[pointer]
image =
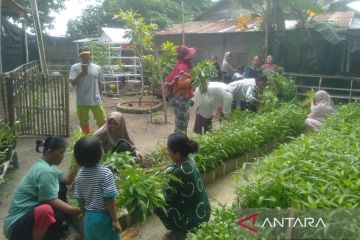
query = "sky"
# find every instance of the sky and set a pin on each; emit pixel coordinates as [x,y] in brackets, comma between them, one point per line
[75,7]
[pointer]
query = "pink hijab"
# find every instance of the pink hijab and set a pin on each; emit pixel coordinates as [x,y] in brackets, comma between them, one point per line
[110,139]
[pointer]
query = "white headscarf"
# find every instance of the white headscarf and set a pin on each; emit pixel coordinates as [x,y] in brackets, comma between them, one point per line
[226,68]
[324,106]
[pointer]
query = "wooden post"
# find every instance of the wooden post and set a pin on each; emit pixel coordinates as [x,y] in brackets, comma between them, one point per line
[182,24]
[10,99]
[39,37]
[2,80]
[26,45]
[162,83]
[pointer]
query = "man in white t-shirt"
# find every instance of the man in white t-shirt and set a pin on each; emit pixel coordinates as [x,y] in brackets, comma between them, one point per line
[87,76]
[217,96]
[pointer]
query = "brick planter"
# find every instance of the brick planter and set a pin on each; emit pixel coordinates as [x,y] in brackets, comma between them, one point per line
[210,176]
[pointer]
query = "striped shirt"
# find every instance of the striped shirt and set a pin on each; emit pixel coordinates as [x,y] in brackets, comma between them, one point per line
[92,185]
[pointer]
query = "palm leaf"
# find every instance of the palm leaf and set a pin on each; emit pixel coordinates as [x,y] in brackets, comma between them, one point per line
[329,32]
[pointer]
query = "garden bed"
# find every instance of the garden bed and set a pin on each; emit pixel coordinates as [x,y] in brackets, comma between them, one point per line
[210,176]
[315,171]
[221,151]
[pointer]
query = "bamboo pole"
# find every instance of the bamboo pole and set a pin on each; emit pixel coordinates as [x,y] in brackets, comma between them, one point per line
[19,102]
[57,103]
[66,110]
[61,106]
[39,38]
[34,113]
[1,70]
[52,100]
[26,45]
[42,103]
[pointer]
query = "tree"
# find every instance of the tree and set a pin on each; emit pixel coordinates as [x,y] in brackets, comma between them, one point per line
[89,24]
[45,8]
[273,12]
[162,13]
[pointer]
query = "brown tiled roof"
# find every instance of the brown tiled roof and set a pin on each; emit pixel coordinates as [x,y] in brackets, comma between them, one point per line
[210,26]
[340,19]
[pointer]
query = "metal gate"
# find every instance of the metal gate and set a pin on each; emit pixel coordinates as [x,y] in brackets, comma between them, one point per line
[39,103]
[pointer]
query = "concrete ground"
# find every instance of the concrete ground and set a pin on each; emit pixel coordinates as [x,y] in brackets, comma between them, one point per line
[146,136]
[220,192]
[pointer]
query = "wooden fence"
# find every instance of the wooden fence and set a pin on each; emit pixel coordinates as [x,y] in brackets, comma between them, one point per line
[39,103]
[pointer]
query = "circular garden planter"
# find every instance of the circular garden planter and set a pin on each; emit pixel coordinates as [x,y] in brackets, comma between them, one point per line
[133,107]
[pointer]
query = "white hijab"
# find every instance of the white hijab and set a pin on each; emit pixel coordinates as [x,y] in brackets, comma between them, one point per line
[324,106]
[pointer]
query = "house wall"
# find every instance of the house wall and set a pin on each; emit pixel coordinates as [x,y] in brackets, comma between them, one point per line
[296,51]
[60,49]
[219,43]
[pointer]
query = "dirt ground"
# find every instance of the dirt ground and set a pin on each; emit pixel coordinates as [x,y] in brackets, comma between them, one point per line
[145,135]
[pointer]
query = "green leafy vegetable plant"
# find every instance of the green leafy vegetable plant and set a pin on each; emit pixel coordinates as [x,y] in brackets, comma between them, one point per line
[117,161]
[141,190]
[245,134]
[283,87]
[202,73]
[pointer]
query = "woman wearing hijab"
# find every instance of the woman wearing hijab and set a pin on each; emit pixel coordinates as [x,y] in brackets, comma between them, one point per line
[179,87]
[322,107]
[226,69]
[115,137]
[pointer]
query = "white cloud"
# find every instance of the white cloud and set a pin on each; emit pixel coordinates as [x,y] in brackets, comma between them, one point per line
[73,9]
[355,5]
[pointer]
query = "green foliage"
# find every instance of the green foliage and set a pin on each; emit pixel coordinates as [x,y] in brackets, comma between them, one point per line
[269,99]
[222,226]
[309,98]
[45,9]
[89,24]
[283,88]
[167,58]
[158,158]
[243,135]
[318,170]
[162,13]
[141,34]
[117,161]
[100,52]
[329,32]
[202,73]
[275,10]
[75,137]
[142,190]
[8,136]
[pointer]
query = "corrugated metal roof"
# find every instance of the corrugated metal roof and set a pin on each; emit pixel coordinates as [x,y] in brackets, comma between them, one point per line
[339,19]
[210,26]
[115,35]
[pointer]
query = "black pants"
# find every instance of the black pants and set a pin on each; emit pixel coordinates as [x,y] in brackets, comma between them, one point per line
[23,227]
